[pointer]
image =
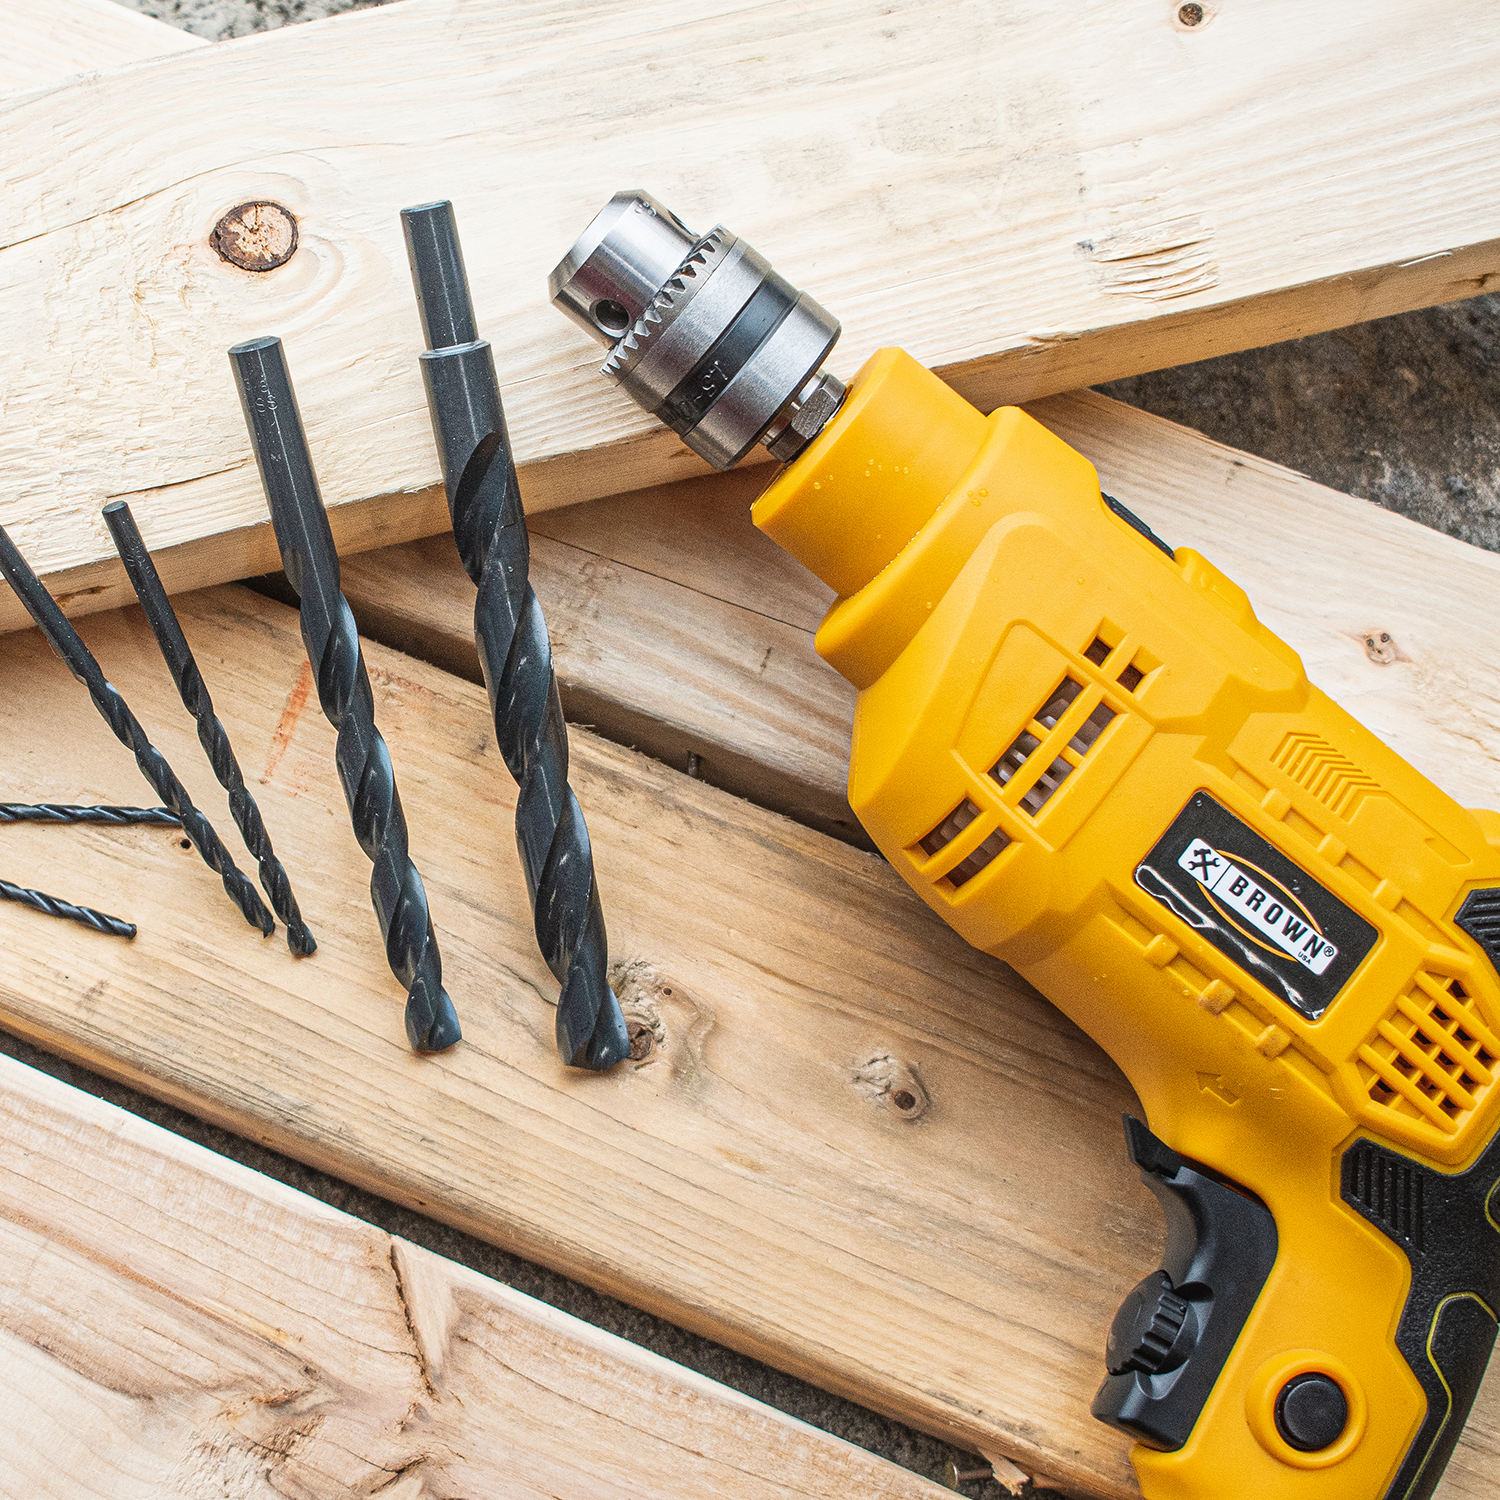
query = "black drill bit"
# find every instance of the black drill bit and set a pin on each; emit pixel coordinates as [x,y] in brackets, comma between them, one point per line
[53,907]
[65,641]
[59,812]
[328,632]
[515,651]
[211,732]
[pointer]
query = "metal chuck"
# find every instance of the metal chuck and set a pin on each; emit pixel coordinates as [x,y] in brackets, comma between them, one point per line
[701,331]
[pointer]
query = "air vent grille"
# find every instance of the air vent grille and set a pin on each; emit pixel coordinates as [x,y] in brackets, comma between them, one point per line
[948,830]
[1021,753]
[1433,1057]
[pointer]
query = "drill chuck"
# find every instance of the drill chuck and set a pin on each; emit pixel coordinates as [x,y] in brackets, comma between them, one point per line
[701,331]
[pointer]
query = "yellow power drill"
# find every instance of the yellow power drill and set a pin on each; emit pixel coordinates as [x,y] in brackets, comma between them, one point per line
[1082,749]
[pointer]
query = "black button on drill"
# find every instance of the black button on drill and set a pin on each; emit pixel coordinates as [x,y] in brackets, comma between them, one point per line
[1311,1412]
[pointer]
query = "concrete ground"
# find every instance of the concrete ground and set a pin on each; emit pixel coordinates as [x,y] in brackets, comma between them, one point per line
[1404,412]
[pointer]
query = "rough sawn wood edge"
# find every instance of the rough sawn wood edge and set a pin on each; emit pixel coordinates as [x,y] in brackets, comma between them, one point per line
[138,1259]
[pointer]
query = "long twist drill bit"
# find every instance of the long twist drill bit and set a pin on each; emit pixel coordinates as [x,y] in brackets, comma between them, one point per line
[66,642]
[515,651]
[328,632]
[54,907]
[59,812]
[211,732]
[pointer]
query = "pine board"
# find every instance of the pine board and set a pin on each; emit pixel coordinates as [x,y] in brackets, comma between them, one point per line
[1030,198]
[751,1180]
[45,41]
[173,1323]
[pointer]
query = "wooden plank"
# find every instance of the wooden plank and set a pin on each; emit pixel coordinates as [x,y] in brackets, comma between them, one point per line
[1029,200]
[679,629]
[46,43]
[750,1180]
[175,1323]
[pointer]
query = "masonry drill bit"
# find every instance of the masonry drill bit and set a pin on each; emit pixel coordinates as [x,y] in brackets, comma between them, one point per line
[59,812]
[328,632]
[66,642]
[53,907]
[463,397]
[211,732]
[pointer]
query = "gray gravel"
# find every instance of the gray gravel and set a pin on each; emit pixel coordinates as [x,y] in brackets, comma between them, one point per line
[217,20]
[1402,411]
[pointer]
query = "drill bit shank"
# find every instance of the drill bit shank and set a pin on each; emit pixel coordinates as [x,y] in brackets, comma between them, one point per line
[514,648]
[328,632]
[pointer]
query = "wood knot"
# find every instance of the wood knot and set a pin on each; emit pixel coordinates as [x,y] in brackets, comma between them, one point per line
[1379,647]
[894,1083]
[639,986]
[257,236]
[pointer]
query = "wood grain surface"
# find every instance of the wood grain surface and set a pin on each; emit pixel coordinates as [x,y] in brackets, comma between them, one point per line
[751,1179]
[1030,198]
[43,42]
[953,1263]
[172,1323]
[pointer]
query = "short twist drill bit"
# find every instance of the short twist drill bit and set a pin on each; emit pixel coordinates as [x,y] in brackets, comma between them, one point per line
[53,907]
[211,732]
[59,812]
[328,632]
[65,641]
[514,649]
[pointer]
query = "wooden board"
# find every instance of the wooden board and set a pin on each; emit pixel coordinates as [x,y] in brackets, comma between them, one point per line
[173,1323]
[751,1178]
[679,628]
[43,43]
[1030,199]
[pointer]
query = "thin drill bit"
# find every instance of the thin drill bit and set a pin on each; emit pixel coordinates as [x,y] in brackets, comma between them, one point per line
[211,732]
[53,907]
[59,812]
[328,632]
[515,651]
[65,641]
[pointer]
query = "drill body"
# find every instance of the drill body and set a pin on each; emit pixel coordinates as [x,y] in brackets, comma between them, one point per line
[1082,749]
[1086,753]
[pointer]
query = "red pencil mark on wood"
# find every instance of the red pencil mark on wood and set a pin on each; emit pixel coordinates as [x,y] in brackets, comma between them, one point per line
[296,701]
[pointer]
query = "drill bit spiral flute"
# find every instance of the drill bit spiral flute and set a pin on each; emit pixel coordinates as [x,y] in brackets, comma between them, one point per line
[328,632]
[212,735]
[514,649]
[66,642]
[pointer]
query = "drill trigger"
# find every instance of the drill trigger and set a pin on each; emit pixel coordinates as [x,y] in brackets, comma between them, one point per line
[1174,1332]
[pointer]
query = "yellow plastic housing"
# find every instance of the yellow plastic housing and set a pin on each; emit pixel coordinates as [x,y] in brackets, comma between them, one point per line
[980,573]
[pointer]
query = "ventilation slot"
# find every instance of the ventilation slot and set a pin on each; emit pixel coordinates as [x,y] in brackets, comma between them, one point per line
[1022,749]
[948,830]
[1432,1058]
[1332,778]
